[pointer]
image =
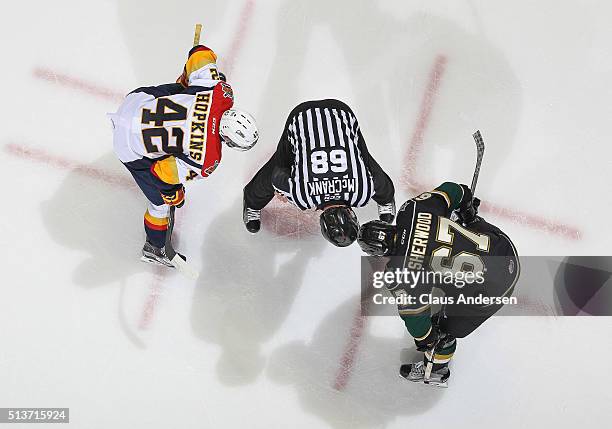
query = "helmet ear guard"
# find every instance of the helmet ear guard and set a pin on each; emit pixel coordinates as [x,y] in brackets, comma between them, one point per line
[377,238]
[339,225]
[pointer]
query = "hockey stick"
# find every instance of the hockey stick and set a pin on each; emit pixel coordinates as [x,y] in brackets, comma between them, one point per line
[196,35]
[430,360]
[176,259]
[480,148]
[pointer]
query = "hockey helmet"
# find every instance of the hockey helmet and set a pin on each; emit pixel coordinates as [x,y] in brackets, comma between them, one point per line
[377,238]
[238,129]
[339,225]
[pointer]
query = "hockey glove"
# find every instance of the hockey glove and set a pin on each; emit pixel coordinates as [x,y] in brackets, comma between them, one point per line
[174,196]
[182,79]
[468,209]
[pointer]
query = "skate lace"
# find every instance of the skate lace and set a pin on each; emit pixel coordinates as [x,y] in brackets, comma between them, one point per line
[388,208]
[418,369]
[252,214]
[159,252]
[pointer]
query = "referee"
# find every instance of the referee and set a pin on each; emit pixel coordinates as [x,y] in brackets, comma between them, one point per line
[323,163]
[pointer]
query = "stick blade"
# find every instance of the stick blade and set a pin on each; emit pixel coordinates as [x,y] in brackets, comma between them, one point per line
[480,146]
[179,263]
[184,268]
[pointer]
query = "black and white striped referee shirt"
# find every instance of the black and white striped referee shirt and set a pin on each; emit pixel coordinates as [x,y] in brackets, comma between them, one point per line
[328,156]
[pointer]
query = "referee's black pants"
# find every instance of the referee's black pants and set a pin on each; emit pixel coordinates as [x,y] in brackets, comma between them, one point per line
[259,191]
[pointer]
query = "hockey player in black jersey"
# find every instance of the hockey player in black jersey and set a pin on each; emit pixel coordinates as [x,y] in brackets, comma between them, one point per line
[322,162]
[425,239]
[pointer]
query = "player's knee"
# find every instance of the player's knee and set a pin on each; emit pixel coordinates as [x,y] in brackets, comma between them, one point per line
[159,211]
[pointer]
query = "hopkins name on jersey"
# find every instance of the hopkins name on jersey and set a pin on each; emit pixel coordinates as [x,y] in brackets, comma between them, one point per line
[180,131]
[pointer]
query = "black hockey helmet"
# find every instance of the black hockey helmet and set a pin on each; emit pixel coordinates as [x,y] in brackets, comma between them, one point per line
[377,238]
[339,225]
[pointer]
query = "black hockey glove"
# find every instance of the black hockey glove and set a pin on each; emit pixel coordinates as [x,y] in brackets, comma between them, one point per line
[468,209]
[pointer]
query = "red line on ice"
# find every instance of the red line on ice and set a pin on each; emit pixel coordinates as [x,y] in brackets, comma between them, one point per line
[77,83]
[154,293]
[124,182]
[536,222]
[39,155]
[409,181]
[238,40]
[44,157]
[416,141]
[350,351]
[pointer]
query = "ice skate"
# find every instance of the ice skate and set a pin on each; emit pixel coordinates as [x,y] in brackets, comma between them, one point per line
[251,218]
[155,255]
[415,372]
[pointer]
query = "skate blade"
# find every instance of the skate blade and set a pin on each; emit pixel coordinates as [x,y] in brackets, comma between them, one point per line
[440,384]
[154,261]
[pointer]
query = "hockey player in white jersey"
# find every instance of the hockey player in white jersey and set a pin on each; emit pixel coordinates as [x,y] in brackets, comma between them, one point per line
[170,134]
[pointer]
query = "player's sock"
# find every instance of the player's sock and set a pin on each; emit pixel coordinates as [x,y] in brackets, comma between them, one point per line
[153,250]
[155,228]
[251,218]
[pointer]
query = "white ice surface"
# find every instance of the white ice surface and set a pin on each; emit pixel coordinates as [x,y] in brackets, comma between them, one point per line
[257,340]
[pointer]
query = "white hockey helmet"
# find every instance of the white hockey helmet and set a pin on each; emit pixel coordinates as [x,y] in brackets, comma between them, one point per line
[238,129]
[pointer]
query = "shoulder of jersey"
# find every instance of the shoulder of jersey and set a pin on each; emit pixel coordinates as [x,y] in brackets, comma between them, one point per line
[421,197]
[225,89]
